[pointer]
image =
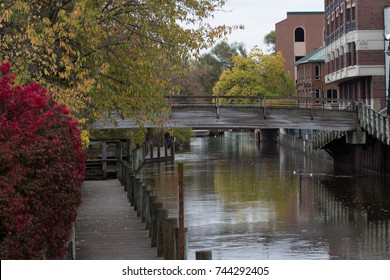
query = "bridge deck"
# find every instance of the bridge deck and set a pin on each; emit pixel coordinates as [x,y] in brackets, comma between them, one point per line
[239,117]
[107,226]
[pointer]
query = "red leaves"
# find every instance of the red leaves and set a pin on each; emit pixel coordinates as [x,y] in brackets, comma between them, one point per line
[5,68]
[41,171]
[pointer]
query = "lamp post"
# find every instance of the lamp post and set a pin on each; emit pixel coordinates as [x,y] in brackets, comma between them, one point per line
[387,52]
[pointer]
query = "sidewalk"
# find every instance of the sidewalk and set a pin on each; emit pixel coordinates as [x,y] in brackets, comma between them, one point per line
[108,228]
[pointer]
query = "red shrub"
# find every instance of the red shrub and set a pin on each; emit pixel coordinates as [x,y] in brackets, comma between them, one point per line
[41,171]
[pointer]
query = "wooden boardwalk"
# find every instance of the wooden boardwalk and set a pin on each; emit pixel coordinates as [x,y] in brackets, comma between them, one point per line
[107,226]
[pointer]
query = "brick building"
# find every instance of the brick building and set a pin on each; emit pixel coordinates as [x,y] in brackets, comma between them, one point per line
[310,78]
[354,52]
[298,35]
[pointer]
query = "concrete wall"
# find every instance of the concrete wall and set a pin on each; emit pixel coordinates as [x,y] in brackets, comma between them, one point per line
[302,145]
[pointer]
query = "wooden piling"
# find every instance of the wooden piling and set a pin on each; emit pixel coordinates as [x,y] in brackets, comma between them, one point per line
[169,225]
[145,205]
[140,190]
[162,214]
[177,242]
[130,186]
[181,242]
[203,255]
[153,217]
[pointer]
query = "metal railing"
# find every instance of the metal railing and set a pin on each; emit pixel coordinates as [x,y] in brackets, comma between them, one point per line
[374,123]
[261,101]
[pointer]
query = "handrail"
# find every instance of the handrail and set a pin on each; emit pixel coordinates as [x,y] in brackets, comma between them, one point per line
[374,123]
[261,102]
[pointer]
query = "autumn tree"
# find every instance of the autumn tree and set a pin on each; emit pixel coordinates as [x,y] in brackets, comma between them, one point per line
[256,75]
[99,56]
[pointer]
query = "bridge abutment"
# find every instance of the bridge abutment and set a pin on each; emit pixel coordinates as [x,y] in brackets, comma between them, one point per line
[372,157]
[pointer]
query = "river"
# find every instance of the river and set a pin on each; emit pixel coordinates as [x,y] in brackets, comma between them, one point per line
[244,201]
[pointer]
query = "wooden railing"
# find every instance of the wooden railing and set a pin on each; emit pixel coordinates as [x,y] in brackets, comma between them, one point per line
[104,156]
[163,228]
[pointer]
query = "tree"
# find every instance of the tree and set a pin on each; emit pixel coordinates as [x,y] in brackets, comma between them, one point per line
[219,59]
[99,56]
[256,75]
[270,41]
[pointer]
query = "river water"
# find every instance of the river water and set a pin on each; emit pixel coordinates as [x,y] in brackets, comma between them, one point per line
[244,201]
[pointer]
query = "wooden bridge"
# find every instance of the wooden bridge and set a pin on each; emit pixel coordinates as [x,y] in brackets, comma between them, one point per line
[250,112]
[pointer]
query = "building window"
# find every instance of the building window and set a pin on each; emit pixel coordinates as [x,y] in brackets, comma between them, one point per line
[331,94]
[299,35]
[317,72]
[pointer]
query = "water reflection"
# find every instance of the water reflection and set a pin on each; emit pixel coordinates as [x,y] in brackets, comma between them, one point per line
[269,202]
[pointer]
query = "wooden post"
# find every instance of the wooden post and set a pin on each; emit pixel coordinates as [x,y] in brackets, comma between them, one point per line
[131,187]
[145,206]
[177,243]
[169,226]
[104,160]
[173,150]
[128,151]
[203,255]
[162,214]
[181,213]
[151,151]
[118,152]
[140,187]
[155,206]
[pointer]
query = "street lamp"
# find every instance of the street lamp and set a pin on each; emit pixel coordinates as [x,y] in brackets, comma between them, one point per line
[387,52]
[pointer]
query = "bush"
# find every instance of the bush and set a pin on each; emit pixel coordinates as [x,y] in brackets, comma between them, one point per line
[42,169]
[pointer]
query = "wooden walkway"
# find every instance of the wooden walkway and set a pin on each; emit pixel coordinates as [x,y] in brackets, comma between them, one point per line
[107,226]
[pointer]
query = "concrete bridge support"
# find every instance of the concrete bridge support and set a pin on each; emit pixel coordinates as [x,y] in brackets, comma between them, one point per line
[267,135]
[359,157]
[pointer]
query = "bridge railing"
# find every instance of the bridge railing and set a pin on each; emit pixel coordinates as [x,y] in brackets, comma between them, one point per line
[378,125]
[261,102]
[374,123]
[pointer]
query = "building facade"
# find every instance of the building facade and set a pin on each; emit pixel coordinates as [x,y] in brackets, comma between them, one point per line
[297,36]
[354,52]
[311,79]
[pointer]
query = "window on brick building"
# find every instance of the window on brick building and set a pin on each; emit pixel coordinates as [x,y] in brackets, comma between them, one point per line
[317,72]
[299,35]
[331,94]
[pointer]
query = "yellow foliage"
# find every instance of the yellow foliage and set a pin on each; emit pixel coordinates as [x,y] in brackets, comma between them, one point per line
[84,139]
[98,57]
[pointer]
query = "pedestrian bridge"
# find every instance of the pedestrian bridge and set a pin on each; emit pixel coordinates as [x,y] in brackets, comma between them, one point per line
[250,112]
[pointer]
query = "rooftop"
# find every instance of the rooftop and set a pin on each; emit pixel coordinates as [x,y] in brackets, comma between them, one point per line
[317,55]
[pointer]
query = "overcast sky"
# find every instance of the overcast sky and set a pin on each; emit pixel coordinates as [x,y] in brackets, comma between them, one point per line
[259,17]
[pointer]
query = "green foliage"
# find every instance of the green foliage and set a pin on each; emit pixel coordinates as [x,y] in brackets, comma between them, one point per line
[256,75]
[270,41]
[99,56]
[182,135]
